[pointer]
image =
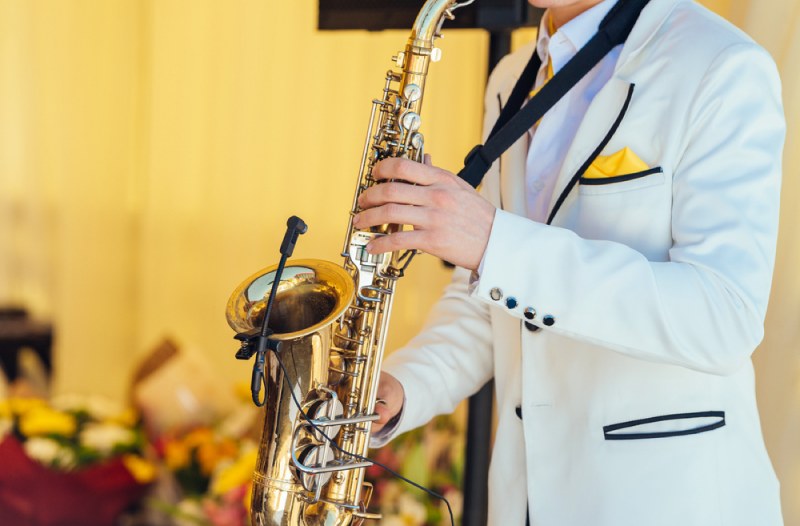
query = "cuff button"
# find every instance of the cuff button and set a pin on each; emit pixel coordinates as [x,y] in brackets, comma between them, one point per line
[548,320]
[511,302]
[531,327]
[496,294]
[530,313]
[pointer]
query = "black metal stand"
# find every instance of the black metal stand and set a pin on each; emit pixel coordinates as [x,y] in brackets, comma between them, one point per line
[258,341]
[479,422]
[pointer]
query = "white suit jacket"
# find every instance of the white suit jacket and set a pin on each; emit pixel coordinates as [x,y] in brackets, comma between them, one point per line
[648,294]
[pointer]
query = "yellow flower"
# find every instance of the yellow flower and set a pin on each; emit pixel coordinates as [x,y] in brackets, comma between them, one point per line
[209,454]
[235,474]
[18,406]
[196,437]
[248,495]
[41,420]
[141,470]
[176,454]
[127,418]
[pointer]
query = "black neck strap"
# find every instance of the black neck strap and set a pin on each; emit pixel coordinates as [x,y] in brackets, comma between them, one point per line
[513,122]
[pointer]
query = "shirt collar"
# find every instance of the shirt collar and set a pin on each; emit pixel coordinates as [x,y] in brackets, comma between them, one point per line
[572,36]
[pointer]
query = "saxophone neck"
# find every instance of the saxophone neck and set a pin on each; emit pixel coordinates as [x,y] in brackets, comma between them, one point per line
[429,21]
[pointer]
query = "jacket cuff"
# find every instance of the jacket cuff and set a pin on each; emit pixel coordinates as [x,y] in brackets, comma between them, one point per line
[503,289]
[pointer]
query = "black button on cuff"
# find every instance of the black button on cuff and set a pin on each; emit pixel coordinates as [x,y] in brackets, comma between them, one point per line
[548,320]
[511,302]
[530,313]
[531,327]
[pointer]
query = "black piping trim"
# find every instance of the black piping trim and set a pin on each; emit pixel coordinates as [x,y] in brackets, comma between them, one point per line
[597,181]
[609,434]
[500,161]
[572,182]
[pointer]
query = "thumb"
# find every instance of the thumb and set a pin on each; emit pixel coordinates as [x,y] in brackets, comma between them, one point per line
[383,411]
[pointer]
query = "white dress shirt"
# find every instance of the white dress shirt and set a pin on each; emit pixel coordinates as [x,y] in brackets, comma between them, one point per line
[550,139]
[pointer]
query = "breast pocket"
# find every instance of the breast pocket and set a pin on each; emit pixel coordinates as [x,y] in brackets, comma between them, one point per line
[621,183]
[634,209]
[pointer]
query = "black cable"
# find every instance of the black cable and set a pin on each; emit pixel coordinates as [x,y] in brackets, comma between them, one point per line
[354,455]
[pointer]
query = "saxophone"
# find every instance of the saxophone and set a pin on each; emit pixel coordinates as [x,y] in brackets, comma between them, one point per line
[328,327]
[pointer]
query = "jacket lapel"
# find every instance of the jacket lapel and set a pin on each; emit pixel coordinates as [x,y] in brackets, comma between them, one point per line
[596,128]
[512,163]
[609,103]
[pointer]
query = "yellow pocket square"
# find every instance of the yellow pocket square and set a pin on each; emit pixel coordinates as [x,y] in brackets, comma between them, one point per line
[621,163]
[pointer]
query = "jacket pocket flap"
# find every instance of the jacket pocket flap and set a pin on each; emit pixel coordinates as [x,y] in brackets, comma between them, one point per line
[665,426]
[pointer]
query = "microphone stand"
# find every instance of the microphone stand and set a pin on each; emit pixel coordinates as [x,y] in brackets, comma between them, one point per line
[261,340]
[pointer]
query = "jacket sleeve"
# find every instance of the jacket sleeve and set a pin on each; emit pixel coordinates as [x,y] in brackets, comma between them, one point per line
[449,360]
[703,308]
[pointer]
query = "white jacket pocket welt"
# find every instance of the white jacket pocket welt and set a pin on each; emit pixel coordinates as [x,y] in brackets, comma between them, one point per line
[665,426]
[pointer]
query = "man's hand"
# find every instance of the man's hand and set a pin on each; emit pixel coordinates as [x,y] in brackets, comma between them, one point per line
[450,220]
[390,396]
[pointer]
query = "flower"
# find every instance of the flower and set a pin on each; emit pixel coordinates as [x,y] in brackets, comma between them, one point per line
[142,471]
[248,494]
[76,432]
[194,457]
[50,453]
[17,406]
[197,436]
[105,438]
[6,426]
[42,420]
[411,510]
[209,454]
[97,407]
[235,474]
[189,512]
[227,510]
[431,456]
[176,454]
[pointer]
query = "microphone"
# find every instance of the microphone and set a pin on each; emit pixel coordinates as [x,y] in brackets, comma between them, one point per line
[294,228]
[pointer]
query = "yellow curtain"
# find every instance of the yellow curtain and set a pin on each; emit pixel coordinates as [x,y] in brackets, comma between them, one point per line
[151,151]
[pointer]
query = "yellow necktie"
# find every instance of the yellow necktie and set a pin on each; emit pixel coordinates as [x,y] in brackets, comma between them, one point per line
[549,72]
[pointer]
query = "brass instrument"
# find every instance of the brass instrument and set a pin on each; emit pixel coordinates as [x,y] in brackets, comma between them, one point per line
[329,327]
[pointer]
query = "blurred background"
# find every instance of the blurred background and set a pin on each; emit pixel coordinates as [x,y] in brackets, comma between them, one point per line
[151,151]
